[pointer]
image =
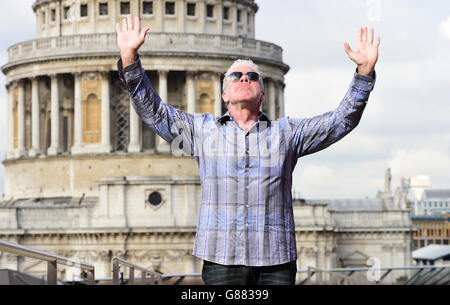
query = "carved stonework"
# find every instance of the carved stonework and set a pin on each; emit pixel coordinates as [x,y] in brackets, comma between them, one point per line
[387,248]
[311,251]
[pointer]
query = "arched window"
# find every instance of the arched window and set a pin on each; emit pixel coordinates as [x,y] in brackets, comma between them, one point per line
[206,104]
[92,119]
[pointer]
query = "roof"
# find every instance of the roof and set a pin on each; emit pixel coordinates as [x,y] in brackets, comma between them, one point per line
[436,194]
[432,252]
[363,204]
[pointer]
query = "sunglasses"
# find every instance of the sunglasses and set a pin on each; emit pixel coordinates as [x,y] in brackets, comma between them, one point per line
[236,76]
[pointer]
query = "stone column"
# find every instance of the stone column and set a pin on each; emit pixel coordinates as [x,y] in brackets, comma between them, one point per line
[244,22]
[55,147]
[78,116]
[271,99]
[202,16]
[233,18]
[281,100]
[35,119]
[21,120]
[190,91]
[134,146]
[217,95]
[161,144]
[252,24]
[10,121]
[58,17]
[219,8]
[106,141]
[181,9]
[160,9]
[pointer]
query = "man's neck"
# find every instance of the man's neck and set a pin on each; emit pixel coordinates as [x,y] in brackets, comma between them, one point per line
[244,117]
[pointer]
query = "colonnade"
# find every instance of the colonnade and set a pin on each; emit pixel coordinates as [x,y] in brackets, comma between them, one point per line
[16,126]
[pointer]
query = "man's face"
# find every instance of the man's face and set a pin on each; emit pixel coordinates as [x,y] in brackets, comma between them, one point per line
[244,90]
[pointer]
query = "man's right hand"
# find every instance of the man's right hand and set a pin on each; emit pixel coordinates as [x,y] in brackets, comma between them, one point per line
[129,39]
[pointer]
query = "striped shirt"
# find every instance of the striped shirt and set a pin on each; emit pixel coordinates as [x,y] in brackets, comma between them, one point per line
[246,215]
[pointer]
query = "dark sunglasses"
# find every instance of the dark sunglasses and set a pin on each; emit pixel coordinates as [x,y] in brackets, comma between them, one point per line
[236,76]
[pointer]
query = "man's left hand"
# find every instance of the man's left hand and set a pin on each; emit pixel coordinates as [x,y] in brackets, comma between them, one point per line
[365,54]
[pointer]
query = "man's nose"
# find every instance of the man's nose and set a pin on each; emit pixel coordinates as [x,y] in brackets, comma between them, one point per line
[244,78]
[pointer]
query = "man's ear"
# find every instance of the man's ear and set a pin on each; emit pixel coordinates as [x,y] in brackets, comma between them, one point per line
[263,96]
[225,97]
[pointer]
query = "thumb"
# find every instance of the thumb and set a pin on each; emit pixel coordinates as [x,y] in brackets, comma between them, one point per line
[144,32]
[347,48]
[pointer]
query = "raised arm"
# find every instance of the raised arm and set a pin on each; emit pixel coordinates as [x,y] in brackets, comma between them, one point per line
[314,134]
[171,124]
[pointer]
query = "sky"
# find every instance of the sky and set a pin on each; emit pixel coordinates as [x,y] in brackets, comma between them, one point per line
[404,126]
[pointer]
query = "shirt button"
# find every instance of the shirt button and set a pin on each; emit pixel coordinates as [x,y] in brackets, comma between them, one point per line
[370,84]
[247,169]
[246,224]
[246,187]
[247,206]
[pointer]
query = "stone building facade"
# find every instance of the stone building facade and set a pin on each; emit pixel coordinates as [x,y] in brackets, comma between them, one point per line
[86,179]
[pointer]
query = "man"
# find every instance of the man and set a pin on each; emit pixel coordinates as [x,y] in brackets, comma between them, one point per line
[246,231]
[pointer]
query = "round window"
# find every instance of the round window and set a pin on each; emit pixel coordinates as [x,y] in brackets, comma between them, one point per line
[155,198]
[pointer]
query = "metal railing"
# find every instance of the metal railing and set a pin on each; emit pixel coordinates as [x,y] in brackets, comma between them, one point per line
[154,279]
[425,275]
[51,259]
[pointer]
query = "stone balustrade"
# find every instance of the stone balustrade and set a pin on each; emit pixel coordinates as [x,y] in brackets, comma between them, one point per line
[156,43]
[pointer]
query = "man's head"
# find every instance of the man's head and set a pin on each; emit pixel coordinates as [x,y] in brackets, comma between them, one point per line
[243,83]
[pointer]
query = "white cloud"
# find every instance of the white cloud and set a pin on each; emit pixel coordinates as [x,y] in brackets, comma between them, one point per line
[444,27]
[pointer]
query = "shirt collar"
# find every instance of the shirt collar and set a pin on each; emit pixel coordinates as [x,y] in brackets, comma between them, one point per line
[227,117]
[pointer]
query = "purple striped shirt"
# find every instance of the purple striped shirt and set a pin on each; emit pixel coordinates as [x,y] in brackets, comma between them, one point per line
[246,215]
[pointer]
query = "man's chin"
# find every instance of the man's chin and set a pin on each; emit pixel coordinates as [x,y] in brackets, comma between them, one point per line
[243,101]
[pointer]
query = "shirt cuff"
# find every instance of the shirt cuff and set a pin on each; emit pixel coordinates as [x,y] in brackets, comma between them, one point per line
[131,72]
[364,82]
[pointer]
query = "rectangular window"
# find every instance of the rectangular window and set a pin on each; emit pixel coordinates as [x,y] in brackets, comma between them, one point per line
[124,8]
[103,9]
[65,133]
[248,18]
[210,10]
[148,7]
[191,9]
[238,15]
[66,11]
[83,10]
[43,17]
[170,8]
[226,13]
[53,15]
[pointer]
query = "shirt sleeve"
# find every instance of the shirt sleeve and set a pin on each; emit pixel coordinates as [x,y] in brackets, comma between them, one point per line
[314,134]
[171,124]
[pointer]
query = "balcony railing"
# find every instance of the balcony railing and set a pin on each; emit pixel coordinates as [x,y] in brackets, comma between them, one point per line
[51,259]
[423,275]
[156,43]
[153,279]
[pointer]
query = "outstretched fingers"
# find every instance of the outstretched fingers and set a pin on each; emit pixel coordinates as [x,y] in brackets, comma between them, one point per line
[364,35]
[370,38]
[130,22]
[377,42]
[144,32]
[137,23]
[359,35]
[124,25]
[348,50]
